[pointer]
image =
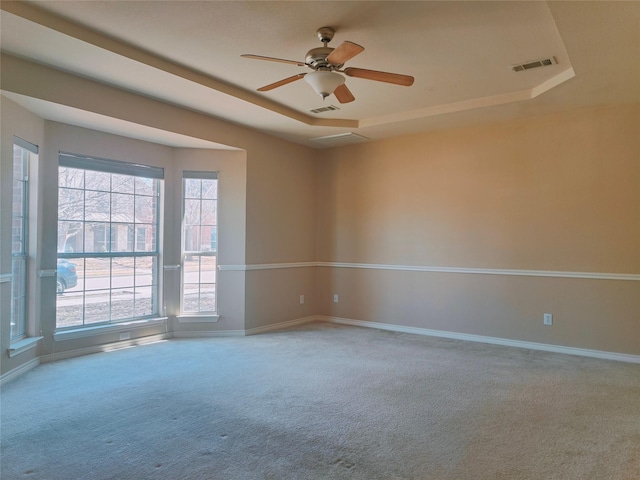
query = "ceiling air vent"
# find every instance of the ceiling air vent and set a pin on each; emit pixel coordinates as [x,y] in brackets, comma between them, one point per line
[339,139]
[534,64]
[330,108]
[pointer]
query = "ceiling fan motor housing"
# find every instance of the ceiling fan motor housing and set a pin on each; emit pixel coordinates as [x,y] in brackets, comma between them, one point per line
[317,58]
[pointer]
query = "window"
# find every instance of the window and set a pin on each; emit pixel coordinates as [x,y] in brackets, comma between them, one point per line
[22,152]
[104,276]
[199,241]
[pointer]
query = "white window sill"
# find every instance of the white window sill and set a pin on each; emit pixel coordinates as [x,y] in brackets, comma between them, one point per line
[111,328]
[193,318]
[23,345]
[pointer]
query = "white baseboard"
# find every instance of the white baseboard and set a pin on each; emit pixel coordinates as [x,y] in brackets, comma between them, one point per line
[107,347]
[16,372]
[281,325]
[204,334]
[620,357]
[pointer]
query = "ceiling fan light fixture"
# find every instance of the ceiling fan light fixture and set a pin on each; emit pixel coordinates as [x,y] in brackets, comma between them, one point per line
[323,82]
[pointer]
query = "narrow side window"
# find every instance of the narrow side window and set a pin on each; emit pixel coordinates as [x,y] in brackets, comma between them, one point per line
[199,242]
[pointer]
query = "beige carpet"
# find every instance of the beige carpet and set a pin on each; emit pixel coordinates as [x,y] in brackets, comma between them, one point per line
[323,402]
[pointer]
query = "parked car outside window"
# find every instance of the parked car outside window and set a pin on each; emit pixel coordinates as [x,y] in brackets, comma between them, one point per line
[66,276]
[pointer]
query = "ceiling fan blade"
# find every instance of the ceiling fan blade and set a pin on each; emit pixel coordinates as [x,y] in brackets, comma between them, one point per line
[343,94]
[344,52]
[272,59]
[271,86]
[394,78]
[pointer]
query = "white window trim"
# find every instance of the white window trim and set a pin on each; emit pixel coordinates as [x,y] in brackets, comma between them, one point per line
[23,345]
[197,318]
[90,331]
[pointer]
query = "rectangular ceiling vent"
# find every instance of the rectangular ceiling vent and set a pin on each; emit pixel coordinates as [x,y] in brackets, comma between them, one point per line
[329,108]
[339,139]
[545,62]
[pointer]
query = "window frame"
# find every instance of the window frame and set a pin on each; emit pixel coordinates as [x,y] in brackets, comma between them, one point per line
[20,259]
[110,227]
[198,175]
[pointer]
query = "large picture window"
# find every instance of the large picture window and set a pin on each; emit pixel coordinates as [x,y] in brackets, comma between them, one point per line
[22,152]
[108,224]
[199,241]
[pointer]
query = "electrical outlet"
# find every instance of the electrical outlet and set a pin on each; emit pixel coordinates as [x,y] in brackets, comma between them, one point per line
[301,299]
[125,335]
[335,298]
[548,319]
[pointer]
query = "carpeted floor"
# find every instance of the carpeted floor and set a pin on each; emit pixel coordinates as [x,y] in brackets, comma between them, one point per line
[323,402]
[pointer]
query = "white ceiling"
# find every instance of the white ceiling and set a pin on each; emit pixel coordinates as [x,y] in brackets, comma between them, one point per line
[188,53]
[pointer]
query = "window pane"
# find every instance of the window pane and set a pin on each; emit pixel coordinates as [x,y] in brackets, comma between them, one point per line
[207,297]
[97,180]
[70,204]
[18,197]
[192,188]
[141,239]
[97,273]
[97,307]
[145,271]
[97,237]
[123,273]
[192,212]
[97,206]
[18,296]
[190,300]
[145,209]
[121,240]
[71,177]
[207,239]
[145,186]
[145,238]
[122,183]
[192,238]
[70,237]
[191,273]
[122,208]
[209,212]
[210,189]
[123,304]
[17,231]
[69,313]
[144,301]
[18,163]
[207,269]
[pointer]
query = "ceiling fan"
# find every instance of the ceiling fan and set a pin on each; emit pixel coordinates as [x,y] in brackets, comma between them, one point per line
[325,63]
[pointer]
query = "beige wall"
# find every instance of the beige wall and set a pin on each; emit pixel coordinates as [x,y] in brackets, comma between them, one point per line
[273,295]
[280,230]
[558,193]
